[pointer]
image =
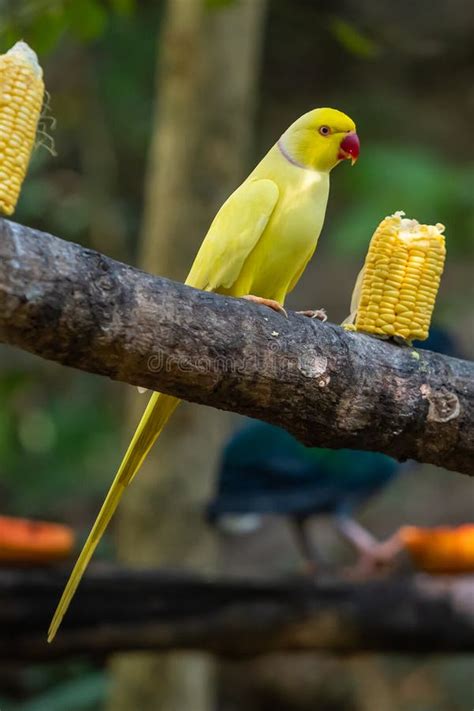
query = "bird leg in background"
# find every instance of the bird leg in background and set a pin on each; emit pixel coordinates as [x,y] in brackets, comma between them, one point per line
[372,553]
[304,543]
[271,303]
[320,314]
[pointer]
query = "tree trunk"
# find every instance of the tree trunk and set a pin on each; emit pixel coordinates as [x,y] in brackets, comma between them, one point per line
[206,81]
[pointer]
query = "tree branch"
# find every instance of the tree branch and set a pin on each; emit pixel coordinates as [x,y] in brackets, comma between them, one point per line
[326,386]
[234,618]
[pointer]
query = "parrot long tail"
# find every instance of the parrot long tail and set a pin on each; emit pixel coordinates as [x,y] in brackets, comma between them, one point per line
[157,413]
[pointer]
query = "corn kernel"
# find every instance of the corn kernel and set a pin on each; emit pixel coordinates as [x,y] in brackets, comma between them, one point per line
[397,297]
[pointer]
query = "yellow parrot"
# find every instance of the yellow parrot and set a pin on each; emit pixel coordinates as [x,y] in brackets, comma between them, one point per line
[257,247]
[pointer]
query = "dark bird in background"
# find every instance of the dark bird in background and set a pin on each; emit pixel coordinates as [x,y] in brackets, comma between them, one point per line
[265,470]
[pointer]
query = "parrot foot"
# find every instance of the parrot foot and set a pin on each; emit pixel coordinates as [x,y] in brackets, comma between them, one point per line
[320,314]
[271,303]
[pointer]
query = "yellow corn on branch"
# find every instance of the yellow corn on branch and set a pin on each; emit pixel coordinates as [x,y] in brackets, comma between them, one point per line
[396,290]
[21,99]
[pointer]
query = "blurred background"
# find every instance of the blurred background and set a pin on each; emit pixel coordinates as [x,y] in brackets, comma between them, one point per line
[156,111]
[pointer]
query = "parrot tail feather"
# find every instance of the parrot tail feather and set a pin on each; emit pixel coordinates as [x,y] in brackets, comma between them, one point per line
[157,413]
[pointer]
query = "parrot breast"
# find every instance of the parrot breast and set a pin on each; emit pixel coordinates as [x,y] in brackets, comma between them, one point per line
[290,238]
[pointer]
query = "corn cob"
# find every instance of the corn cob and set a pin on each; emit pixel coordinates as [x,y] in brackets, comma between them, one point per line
[21,99]
[396,290]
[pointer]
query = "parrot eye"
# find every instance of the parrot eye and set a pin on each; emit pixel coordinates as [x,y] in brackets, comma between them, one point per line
[324,130]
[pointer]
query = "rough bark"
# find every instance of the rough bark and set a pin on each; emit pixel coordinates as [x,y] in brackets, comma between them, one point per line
[233,617]
[326,386]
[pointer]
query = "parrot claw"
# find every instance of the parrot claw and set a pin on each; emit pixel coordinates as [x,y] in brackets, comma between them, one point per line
[320,314]
[271,303]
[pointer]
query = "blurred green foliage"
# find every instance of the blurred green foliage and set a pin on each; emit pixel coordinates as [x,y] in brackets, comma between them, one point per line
[423,184]
[42,23]
[103,103]
[53,440]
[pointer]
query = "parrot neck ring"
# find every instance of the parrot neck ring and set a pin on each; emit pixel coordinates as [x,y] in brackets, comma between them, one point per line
[349,147]
[288,157]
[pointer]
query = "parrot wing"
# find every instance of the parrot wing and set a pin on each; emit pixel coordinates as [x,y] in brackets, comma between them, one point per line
[233,234]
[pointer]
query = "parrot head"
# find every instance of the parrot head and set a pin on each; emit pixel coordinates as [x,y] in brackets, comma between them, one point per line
[320,139]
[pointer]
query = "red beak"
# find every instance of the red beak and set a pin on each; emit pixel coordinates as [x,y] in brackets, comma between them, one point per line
[350,147]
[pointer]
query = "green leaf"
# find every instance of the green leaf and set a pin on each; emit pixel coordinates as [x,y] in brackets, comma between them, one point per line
[352,39]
